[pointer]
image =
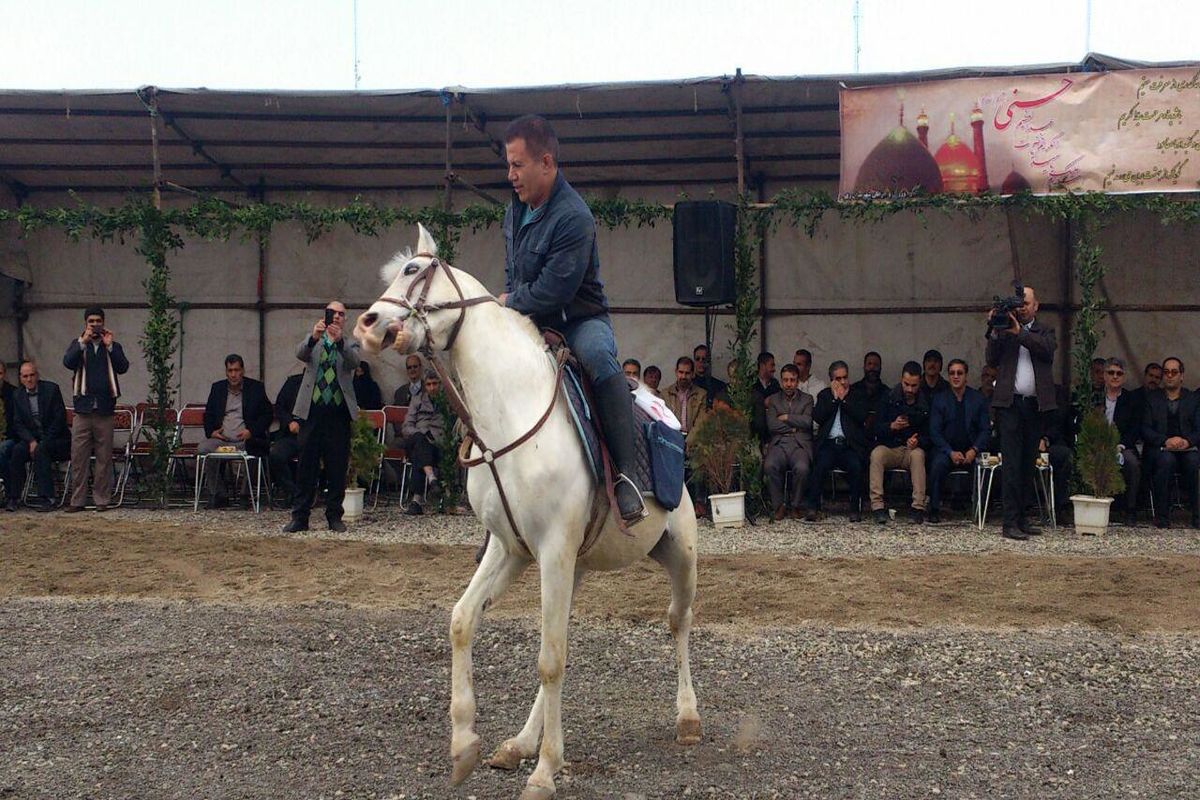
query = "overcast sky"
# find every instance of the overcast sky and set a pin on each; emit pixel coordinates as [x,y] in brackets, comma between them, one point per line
[310,44]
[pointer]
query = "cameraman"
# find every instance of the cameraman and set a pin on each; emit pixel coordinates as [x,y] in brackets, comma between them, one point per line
[96,359]
[1023,354]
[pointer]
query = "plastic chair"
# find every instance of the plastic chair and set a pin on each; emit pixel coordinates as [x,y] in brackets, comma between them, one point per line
[378,420]
[395,416]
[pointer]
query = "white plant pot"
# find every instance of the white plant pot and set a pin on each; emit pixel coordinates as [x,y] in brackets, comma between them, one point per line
[352,505]
[1091,513]
[728,510]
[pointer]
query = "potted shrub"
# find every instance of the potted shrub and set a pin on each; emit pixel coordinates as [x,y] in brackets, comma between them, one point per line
[1098,471]
[720,442]
[365,453]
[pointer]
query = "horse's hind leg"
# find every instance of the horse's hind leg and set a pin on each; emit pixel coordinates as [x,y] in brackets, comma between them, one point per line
[676,551]
[497,570]
[524,745]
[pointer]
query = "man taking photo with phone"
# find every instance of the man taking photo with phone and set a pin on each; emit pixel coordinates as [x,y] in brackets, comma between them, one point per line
[97,359]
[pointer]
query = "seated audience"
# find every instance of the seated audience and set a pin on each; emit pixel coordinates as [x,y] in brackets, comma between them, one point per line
[871,390]
[900,431]
[1121,410]
[763,387]
[632,369]
[40,420]
[713,386]
[809,384]
[790,422]
[932,381]
[1152,377]
[958,432]
[1170,436]
[8,437]
[424,428]
[652,377]
[1059,429]
[841,440]
[237,414]
[366,390]
[285,447]
[405,392]
[686,400]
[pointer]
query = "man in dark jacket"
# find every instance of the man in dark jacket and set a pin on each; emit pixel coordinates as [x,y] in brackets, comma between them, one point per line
[958,432]
[552,274]
[97,359]
[1023,354]
[713,386]
[40,418]
[8,437]
[841,440]
[760,390]
[1123,412]
[285,446]
[237,415]
[901,436]
[405,392]
[932,381]
[1170,433]
[871,391]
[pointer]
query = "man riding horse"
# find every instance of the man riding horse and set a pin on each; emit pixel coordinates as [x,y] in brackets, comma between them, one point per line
[552,274]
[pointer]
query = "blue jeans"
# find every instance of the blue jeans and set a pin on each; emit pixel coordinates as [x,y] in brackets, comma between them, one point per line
[591,340]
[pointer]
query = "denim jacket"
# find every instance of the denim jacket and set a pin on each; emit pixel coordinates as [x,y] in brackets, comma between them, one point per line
[552,264]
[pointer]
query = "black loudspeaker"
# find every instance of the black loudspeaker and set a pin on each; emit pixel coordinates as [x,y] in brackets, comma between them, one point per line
[703,252]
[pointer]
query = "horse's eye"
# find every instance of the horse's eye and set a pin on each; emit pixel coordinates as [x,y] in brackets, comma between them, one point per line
[411,269]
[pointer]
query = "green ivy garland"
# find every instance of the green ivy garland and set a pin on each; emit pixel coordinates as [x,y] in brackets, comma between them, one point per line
[161,231]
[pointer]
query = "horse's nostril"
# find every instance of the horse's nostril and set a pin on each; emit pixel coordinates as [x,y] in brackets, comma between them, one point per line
[370,319]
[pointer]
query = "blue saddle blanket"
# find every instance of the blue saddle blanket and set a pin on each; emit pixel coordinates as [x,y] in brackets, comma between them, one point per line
[659,448]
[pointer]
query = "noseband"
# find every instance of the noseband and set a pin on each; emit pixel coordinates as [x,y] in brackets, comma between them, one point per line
[422,308]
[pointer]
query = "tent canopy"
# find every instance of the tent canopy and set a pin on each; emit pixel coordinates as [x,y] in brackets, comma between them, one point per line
[667,133]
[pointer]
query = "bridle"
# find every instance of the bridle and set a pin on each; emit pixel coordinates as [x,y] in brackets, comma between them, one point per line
[421,310]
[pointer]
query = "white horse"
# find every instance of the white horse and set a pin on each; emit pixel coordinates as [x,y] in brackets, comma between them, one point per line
[508,383]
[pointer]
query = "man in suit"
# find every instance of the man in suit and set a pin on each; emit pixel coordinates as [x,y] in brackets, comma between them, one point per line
[424,429]
[40,418]
[901,431]
[1123,412]
[958,432]
[325,407]
[405,392]
[1023,353]
[686,400]
[8,437]
[97,359]
[841,440]
[790,422]
[704,378]
[1170,435]
[760,390]
[238,415]
[285,445]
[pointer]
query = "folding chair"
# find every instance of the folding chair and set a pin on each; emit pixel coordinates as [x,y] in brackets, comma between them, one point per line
[395,416]
[146,416]
[252,463]
[378,420]
[188,435]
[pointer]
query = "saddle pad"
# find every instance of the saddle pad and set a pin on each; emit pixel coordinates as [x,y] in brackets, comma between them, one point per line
[589,436]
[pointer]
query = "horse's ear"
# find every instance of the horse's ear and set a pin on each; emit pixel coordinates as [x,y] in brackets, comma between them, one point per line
[425,242]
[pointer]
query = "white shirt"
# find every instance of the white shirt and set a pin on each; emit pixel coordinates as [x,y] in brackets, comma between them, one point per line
[836,431]
[812,386]
[1024,383]
[1110,408]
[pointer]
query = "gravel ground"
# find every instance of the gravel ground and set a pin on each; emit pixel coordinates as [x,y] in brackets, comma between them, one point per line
[179,700]
[834,536]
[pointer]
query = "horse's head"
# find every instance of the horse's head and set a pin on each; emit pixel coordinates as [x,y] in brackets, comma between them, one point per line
[421,306]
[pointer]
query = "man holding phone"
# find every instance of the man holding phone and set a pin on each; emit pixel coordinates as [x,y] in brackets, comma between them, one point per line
[96,359]
[325,407]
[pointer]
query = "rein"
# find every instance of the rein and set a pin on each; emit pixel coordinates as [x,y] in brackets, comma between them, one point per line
[421,310]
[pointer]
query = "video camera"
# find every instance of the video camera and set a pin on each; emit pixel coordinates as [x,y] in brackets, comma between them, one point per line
[1003,306]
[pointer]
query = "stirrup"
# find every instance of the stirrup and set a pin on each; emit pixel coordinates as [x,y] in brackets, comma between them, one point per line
[634,517]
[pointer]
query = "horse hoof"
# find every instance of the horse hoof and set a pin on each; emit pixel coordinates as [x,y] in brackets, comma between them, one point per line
[464,763]
[537,793]
[687,731]
[507,756]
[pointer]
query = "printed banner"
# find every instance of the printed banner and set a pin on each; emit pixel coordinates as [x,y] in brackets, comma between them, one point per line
[1126,131]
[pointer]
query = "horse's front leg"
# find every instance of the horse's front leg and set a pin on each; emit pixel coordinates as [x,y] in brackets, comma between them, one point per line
[558,580]
[497,570]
